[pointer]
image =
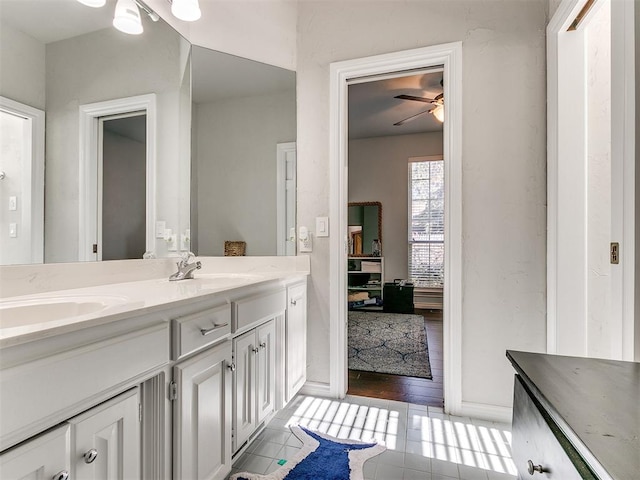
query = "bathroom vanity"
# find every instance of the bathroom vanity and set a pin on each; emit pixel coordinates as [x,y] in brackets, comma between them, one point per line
[150,378]
[575,418]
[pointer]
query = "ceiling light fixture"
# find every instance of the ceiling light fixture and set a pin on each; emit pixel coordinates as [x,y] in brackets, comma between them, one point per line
[187,10]
[127,17]
[438,112]
[93,3]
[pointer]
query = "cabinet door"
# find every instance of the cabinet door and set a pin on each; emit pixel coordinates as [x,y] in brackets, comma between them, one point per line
[45,457]
[266,370]
[202,416]
[107,440]
[296,340]
[244,403]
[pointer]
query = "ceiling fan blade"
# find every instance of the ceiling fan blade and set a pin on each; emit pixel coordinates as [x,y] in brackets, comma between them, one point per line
[412,117]
[415,99]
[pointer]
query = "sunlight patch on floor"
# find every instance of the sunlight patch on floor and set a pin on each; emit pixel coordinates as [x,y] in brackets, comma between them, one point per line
[458,440]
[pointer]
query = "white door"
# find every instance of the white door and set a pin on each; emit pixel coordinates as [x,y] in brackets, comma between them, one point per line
[590,183]
[45,457]
[244,399]
[265,370]
[296,340]
[107,440]
[202,416]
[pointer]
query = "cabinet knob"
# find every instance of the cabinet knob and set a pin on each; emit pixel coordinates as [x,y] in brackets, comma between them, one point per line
[263,345]
[531,468]
[231,366]
[255,349]
[90,456]
[294,302]
[63,475]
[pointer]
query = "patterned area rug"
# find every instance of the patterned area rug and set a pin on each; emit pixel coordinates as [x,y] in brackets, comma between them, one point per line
[321,457]
[388,343]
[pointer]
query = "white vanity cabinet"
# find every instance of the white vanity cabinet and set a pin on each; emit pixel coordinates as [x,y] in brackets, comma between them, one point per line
[254,356]
[101,443]
[201,394]
[253,380]
[47,456]
[295,340]
[106,440]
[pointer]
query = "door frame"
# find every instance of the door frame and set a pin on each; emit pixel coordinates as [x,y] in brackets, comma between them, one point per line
[566,244]
[341,73]
[286,206]
[88,167]
[33,179]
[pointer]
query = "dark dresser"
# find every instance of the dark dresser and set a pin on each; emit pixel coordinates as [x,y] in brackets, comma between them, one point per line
[575,418]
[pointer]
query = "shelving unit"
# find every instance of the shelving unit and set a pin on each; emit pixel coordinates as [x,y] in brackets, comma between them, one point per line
[365,274]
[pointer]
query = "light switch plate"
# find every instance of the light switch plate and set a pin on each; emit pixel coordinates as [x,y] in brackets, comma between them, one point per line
[322,226]
[160,229]
[13,230]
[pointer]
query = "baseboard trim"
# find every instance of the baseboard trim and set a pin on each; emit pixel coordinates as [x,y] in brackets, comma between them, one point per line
[317,389]
[485,411]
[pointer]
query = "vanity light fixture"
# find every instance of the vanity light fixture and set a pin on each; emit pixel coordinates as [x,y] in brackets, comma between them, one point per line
[187,10]
[127,17]
[93,3]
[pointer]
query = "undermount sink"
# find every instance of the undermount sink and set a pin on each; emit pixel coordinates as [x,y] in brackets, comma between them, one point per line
[19,313]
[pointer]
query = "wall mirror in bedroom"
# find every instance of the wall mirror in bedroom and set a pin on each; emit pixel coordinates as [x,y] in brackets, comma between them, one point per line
[365,229]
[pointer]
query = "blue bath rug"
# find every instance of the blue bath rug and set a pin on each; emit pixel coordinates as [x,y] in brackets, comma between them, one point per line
[321,457]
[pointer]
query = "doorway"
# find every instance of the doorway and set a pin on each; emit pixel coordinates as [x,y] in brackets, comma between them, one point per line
[449,56]
[591,180]
[122,162]
[130,120]
[396,233]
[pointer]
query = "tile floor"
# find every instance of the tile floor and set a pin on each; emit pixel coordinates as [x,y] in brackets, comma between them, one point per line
[422,442]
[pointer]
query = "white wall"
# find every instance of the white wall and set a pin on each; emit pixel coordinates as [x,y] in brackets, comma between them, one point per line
[260,30]
[235,147]
[378,172]
[504,222]
[22,72]
[100,66]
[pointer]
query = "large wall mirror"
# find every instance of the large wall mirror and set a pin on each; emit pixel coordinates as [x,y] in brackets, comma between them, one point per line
[365,229]
[59,57]
[243,154]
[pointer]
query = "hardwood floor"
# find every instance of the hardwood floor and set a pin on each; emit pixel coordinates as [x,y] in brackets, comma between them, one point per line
[407,389]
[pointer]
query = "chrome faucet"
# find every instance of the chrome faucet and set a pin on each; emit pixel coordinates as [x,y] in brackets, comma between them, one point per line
[185,269]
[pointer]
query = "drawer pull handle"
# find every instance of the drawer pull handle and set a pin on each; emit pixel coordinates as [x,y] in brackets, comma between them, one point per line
[263,345]
[531,468]
[90,456]
[231,366]
[63,475]
[294,302]
[255,349]
[216,326]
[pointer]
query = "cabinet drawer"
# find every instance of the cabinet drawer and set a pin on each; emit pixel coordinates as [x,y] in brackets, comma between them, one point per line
[251,310]
[195,331]
[536,438]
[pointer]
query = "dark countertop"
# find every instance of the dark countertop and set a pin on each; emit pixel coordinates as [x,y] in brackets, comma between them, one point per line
[596,404]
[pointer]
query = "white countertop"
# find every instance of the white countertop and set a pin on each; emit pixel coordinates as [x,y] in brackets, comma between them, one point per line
[101,304]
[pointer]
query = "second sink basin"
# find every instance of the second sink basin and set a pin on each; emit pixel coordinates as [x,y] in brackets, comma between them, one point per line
[27,312]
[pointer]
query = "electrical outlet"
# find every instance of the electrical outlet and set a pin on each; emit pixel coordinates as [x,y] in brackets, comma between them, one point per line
[304,238]
[13,203]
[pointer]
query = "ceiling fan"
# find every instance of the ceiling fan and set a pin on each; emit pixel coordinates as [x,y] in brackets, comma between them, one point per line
[437,108]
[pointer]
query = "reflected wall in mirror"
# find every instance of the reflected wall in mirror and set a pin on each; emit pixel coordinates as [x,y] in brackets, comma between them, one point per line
[365,228]
[59,56]
[243,155]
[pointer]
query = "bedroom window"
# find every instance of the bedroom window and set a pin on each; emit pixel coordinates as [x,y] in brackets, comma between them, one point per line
[426,222]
